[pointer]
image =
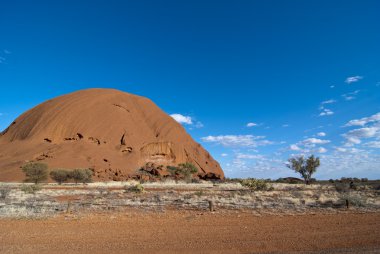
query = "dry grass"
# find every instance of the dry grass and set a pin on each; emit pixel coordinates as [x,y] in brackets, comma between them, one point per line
[53,199]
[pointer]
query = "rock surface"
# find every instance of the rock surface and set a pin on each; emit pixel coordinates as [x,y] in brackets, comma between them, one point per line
[112,132]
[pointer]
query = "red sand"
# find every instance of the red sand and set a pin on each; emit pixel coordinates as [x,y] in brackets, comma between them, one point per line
[194,232]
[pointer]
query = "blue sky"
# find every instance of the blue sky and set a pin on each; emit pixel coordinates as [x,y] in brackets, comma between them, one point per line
[305,74]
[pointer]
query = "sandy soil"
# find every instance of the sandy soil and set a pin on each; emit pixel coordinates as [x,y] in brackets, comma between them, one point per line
[193,232]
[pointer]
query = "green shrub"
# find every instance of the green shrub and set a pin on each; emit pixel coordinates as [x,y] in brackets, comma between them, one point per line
[342,187]
[4,191]
[35,172]
[184,171]
[289,180]
[173,171]
[188,168]
[353,200]
[81,175]
[31,189]
[199,193]
[256,184]
[138,188]
[60,175]
[196,180]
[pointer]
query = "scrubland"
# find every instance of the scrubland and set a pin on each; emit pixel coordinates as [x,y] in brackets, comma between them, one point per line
[175,217]
[20,200]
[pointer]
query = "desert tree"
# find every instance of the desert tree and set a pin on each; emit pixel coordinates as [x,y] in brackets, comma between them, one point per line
[81,175]
[306,167]
[35,172]
[60,175]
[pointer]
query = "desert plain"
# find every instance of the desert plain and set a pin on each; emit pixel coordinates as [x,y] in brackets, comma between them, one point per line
[175,217]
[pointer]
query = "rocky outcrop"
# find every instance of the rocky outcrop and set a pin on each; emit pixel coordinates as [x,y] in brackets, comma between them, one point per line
[112,132]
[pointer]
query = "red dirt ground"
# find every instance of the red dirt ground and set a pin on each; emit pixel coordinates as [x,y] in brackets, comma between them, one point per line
[193,232]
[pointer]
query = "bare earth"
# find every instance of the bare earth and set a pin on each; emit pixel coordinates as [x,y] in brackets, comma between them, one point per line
[176,231]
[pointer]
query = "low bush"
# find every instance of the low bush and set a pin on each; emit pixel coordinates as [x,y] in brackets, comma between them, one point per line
[232,180]
[289,180]
[353,200]
[138,188]
[342,187]
[196,180]
[199,193]
[256,184]
[30,189]
[4,192]
[184,171]
[352,179]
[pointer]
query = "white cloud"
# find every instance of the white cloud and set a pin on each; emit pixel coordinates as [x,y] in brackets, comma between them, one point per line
[350,96]
[332,86]
[237,140]
[349,162]
[353,79]
[259,166]
[328,102]
[341,162]
[355,136]
[321,150]
[363,121]
[321,134]
[351,150]
[373,144]
[294,147]
[199,125]
[182,119]
[249,156]
[314,141]
[224,154]
[252,124]
[326,112]
[341,149]
[2,59]
[285,125]
[309,145]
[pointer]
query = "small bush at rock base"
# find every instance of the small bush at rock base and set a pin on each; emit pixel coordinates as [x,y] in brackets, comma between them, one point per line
[60,175]
[81,175]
